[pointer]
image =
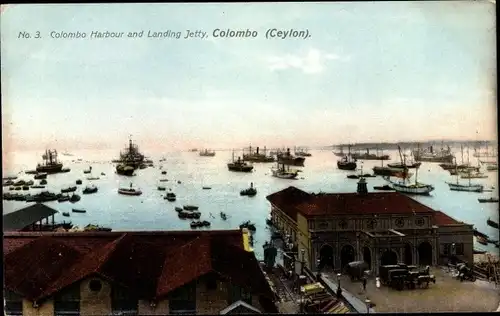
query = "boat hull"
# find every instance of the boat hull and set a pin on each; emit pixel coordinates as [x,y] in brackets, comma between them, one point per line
[291,161]
[386,171]
[465,188]
[124,171]
[284,175]
[239,168]
[258,158]
[442,159]
[402,166]
[370,157]
[56,168]
[490,200]
[346,165]
[417,189]
[492,223]
[474,176]
[128,192]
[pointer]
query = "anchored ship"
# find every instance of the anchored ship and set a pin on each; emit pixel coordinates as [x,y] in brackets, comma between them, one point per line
[130,157]
[50,163]
[207,153]
[466,188]
[284,173]
[256,156]
[239,165]
[289,159]
[369,156]
[404,186]
[430,155]
[347,162]
[302,152]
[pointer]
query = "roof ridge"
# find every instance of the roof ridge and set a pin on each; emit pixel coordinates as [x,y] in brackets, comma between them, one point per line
[110,248]
[107,250]
[51,242]
[207,241]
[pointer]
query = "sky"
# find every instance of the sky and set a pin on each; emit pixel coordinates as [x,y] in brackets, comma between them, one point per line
[369,72]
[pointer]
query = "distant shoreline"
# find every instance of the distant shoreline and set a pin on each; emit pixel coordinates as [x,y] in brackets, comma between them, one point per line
[414,144]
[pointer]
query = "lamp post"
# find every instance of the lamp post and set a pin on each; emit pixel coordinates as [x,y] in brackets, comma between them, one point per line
[368,302]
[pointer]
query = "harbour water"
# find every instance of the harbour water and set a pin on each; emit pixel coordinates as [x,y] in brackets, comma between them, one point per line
[151,212]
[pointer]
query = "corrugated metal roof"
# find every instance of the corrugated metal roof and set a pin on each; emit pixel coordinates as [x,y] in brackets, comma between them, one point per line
[26,216]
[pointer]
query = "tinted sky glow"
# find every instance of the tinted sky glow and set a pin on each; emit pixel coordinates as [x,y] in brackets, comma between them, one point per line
[390,71]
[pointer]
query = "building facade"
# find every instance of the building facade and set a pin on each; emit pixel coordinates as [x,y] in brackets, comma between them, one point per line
[132,274]
[331,230]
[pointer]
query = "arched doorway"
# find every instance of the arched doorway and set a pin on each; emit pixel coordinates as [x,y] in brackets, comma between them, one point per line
[425,253]
[367,257]
[389,257]
[325,257]
[346,255]
[408,257]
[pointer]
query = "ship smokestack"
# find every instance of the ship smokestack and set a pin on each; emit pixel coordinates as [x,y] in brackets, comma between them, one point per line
[362,187]
[257,150]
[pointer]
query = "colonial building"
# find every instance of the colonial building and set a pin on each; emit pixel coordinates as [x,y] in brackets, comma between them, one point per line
[136,273]
[333,229]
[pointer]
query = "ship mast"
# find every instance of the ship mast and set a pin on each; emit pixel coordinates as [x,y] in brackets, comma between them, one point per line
[416,172]
[462,151]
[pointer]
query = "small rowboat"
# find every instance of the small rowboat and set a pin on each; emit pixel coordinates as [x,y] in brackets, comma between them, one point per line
[75,210]
[129,191]
[489,200]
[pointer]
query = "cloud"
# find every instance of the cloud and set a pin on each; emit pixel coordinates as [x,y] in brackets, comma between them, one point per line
[313,62]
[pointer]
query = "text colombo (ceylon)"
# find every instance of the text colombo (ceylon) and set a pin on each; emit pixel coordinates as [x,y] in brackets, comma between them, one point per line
[270,33]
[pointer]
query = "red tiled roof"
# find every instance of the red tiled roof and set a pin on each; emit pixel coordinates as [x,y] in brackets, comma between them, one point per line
[149,264]
[292,200]
[185,264]
[441,219]
[287,198]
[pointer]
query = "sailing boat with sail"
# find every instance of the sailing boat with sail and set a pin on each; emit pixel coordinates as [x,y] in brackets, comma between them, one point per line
[465,188]
[405,187]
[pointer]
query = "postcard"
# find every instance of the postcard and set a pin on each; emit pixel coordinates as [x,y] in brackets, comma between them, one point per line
[215,158]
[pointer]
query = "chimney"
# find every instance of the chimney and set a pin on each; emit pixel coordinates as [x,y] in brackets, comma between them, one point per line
[362,188]
[257,150]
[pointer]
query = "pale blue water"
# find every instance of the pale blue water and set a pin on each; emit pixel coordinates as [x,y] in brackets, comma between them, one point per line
[151,212]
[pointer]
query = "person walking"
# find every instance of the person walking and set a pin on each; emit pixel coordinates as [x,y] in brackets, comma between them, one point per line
[364,283]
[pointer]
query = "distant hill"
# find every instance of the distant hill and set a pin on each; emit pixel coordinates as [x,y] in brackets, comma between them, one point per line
[413,144]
